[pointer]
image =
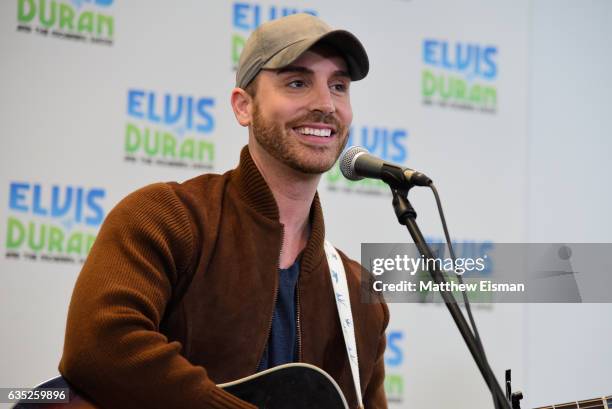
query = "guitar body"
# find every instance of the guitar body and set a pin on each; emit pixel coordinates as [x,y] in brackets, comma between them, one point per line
[290,386]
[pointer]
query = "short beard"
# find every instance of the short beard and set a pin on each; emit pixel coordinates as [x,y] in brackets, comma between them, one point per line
[271,136]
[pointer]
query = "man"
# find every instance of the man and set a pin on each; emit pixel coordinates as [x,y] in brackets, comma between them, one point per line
[193,284]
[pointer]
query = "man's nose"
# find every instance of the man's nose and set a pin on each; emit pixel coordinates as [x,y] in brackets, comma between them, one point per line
[322,99]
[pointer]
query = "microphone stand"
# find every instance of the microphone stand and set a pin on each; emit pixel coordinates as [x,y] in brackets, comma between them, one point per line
[406,215]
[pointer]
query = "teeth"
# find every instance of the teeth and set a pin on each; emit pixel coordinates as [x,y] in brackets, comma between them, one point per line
[314,131]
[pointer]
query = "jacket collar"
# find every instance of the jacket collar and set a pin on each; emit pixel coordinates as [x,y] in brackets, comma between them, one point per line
[257,194]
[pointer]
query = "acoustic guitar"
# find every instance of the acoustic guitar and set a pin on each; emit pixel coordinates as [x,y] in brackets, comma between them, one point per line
[295,386]
[289,386]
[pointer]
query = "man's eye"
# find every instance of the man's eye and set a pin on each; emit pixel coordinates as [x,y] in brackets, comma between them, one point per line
[340,87]
[296,84]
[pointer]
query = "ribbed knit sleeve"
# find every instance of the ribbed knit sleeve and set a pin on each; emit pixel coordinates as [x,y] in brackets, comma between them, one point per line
[113,351]
[374,396]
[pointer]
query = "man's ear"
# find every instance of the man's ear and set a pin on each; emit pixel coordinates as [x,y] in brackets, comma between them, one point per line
[242,104]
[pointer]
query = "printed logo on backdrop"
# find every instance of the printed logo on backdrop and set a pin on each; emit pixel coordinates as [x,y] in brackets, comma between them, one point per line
[246,17]
[388,143]
[169,129]
[459,75]
[394,359]
[76,20]
[52,222]
[466,249]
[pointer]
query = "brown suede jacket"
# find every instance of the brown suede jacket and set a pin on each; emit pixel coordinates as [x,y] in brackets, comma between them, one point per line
[178,291]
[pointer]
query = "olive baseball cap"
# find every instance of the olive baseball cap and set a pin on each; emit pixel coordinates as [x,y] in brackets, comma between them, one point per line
[278,43]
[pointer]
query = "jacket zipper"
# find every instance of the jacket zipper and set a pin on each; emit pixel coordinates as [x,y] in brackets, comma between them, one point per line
[269,330]
[273,303]
[297,319]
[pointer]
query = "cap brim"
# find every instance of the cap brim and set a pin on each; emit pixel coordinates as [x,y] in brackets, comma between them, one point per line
[346,43]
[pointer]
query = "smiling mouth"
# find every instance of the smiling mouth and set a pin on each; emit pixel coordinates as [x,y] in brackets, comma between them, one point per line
[321,132]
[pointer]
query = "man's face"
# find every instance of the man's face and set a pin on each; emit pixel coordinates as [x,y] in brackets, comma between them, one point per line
[302,112]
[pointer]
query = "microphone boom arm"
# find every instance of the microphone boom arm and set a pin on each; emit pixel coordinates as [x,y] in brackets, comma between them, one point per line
[406,215]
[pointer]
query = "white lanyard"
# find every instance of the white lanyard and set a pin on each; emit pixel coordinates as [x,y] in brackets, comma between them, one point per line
[343,303]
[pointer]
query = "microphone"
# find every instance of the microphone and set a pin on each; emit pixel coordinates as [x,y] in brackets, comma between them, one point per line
[357,163]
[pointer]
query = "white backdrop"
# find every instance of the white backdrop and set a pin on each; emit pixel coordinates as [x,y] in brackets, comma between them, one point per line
[67,102]
[568,346]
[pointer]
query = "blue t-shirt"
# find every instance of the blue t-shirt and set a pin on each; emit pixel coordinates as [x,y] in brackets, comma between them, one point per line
[282,343]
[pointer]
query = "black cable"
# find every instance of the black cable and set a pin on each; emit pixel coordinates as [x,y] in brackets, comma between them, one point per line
[454,258]
[464,294]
